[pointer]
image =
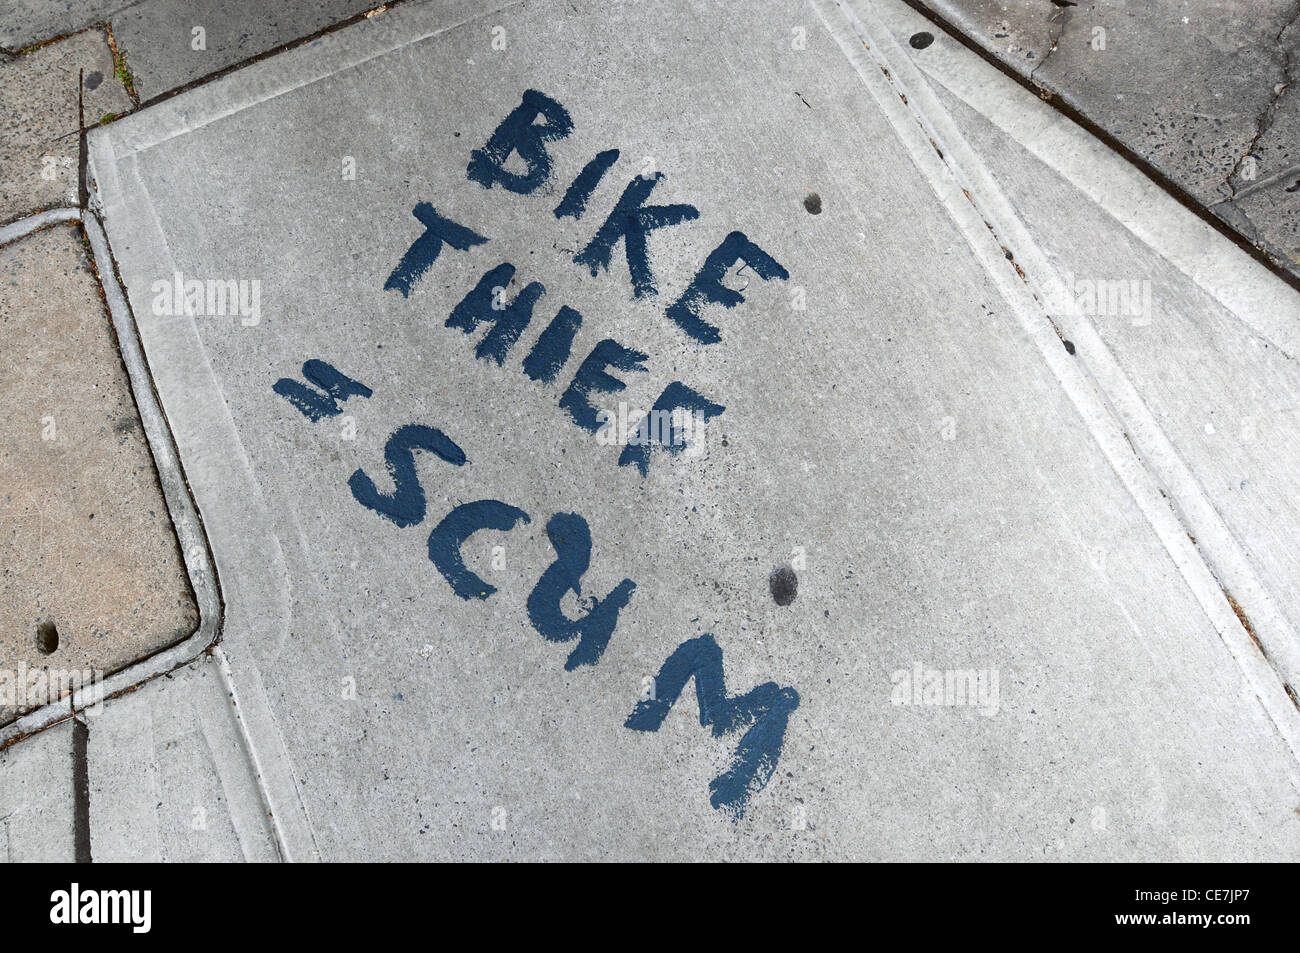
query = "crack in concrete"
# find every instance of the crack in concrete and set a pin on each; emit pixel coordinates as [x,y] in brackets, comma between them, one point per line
[55,38]
[1269,114]
[1062,14]
[1288,173]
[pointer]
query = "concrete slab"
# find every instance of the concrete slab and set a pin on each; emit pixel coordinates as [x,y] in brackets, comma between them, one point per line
[1192,342]
[169,775]
[39,120]
[24,22]
[170,43]
[912,477]
[37,798]
[92,577]
[1203,91]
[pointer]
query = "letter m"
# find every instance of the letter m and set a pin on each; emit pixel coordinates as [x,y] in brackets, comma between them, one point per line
[763,711]
[116,906]
[333,387]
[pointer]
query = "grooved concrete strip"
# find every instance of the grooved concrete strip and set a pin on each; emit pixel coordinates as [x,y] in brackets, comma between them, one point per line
[1211,374]
[39,121]
[86,544]
[938,468]
[169,778]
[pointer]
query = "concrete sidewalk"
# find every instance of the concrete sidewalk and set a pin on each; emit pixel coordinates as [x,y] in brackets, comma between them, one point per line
[1201,94]
[972,541]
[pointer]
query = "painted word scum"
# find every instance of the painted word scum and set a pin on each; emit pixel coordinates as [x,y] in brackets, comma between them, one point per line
[759,715]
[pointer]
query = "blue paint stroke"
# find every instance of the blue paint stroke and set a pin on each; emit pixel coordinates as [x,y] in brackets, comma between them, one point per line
[405,505]
[335,386]
[591,377]
[551,352]
[766,709]
[575,199]
[675,395]
[424,251]
[707,286]
[631,221]
[519,132]
[571,538]
[460,524]
[487,303]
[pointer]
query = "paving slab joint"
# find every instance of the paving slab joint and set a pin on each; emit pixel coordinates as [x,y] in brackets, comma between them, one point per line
[40,44]
[120,68]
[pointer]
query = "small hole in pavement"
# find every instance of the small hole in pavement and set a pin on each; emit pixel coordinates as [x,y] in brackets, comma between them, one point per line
[1069,345]
[921,40]
[47,638]
[813,203]
[784,585]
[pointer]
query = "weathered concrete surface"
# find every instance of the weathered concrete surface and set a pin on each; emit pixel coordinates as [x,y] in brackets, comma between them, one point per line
[37,800]
[1019,32]
[24,22]
[40,124]
[88,552]
[1203,91]
[1204,377]
[915,440]
[164,50]
[169,775]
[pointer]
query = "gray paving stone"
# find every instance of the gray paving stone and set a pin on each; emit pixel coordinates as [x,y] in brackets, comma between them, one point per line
[39,122]
[37,803]
[1269,215]
[914,443]
[24,22]
[164,50]
[1193,88]
[91,569]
